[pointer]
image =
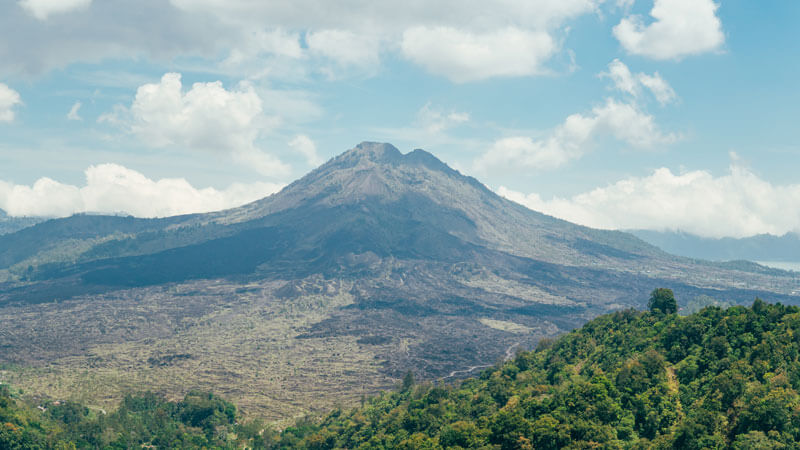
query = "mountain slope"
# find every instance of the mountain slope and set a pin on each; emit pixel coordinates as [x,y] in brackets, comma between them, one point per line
[371,173]
[388,261]
[369,200]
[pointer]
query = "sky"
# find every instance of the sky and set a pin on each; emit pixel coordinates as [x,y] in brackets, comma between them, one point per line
[617,114]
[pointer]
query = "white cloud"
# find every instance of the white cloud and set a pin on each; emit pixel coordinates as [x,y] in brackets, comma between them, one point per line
[246,38]
[433,120]
[346,49]
[111,189]
[42,9]
[9,98]
[207,117]
[464,56]
[661,90]
[274,53]
[46,197]
[622,77]
[73,112]
[625,81]
[681,28]
[277,42]
[573,138]
[737,204]
[305,146]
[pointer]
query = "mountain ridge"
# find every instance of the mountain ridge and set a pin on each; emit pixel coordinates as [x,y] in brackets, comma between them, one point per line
[761,247]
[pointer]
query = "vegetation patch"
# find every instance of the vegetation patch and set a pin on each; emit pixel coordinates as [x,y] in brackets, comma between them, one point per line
[504,325]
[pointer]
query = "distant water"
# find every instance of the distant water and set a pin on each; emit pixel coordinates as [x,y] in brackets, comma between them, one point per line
[785,265]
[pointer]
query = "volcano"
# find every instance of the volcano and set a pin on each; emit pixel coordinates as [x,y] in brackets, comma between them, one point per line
[397,257]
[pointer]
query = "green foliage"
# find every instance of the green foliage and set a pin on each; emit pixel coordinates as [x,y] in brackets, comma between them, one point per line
[715,379]
[408,382]
[662,300]
[200,420]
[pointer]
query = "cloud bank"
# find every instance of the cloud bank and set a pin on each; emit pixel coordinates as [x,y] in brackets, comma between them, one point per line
[114,189]
[737,204]
[504,37]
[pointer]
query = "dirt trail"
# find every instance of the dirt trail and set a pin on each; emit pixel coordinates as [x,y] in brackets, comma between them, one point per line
[508,355]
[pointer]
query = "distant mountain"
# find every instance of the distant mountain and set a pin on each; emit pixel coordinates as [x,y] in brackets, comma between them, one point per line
[389,261]
[9,224]
[762,247]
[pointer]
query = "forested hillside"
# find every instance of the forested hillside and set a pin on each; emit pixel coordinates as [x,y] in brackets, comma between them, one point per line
[715,379]
[720,378]
[200,420]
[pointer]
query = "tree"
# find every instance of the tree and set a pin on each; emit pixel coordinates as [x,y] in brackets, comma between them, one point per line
[662,300]
[408,382]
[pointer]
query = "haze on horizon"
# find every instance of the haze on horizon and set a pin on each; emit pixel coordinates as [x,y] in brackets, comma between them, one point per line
[619,114]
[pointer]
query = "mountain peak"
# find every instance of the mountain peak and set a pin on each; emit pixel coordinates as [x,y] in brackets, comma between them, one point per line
[378,152]
[382,153]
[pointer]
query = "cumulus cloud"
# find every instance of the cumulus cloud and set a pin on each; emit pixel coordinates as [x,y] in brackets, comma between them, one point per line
[680,28]
[73,112]
[464,56]
[630,83]
[736,204]
[42,9]
[113,189]
[9,98]
[434,120]
[575,136]
[207,117]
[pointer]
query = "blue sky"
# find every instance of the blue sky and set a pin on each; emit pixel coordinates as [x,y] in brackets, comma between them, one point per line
[666,114]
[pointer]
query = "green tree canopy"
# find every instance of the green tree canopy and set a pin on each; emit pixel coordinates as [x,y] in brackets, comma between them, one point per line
[663,300]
